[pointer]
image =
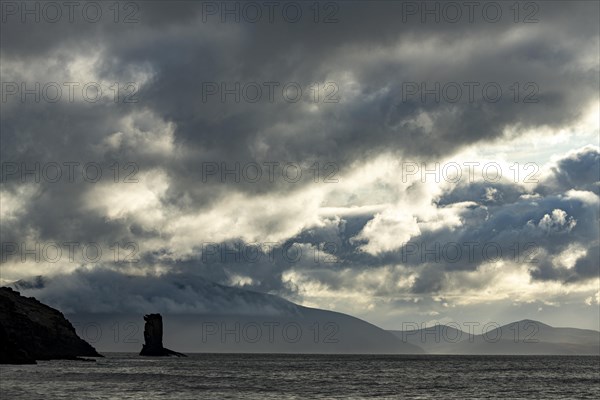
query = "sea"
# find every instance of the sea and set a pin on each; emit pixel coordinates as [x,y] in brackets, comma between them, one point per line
[286,376]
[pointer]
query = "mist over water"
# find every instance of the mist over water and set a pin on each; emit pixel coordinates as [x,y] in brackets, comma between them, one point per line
[268,376]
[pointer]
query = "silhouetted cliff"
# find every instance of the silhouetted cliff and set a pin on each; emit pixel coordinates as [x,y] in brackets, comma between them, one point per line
[30,330]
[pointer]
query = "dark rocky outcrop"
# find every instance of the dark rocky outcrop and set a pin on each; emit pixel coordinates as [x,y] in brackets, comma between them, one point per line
[153,334]
[30,331]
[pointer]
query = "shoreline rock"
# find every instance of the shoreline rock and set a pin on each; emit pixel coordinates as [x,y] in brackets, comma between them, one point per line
[153,334]
[31,330]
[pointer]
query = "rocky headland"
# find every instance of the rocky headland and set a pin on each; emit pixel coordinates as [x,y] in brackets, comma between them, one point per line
[30,331]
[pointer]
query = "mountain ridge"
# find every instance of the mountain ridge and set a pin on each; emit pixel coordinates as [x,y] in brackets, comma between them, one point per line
[227,317]
[525,336]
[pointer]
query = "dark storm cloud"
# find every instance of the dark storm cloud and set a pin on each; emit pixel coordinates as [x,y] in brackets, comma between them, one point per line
[184,52]
[580,171]
[514,226]
[370,55]
[532,228]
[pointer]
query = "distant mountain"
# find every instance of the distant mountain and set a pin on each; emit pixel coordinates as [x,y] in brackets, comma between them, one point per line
[313,331]
[202,316]
[432,339]
[522,337]
[107,310]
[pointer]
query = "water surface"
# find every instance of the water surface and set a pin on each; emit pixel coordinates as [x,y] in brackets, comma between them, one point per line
[276,376]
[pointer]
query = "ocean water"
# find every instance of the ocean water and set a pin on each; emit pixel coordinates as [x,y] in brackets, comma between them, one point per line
[272,376]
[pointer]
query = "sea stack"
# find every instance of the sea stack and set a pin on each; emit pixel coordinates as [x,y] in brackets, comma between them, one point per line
[153,335]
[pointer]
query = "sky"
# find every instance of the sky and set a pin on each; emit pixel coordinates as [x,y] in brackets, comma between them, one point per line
[396,161]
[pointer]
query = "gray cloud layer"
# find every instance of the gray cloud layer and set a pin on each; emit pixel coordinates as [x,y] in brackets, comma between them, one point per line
[369,54]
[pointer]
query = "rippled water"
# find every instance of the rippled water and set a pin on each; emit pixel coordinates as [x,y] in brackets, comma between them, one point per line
[128,376]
